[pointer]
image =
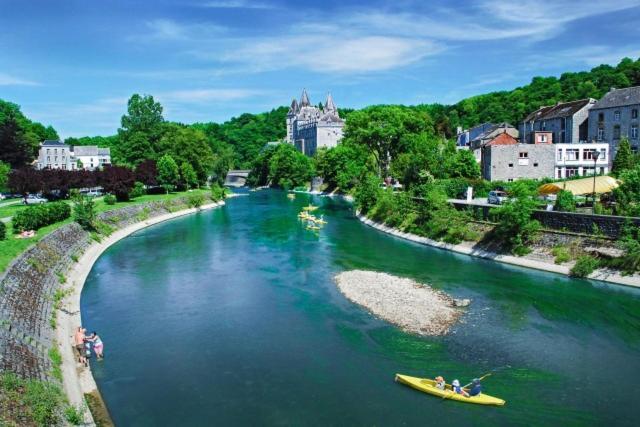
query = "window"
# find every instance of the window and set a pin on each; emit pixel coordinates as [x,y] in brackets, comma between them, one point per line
[588,154]
[616,116]
[634,132]
[601,117]
[588,171]
[48,158]
[634,113]
[510,165]
[573,154]
[601,171]
[535,165]
[603,154]
[559,156]
[523,155]
[543,138]
[616,132]
[48,151]
[55,151]
[543,126]
[559,173]
[510,180]
[600,134]
[571,172]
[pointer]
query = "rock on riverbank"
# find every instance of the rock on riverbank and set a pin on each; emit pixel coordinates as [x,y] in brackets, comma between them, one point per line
[414,307]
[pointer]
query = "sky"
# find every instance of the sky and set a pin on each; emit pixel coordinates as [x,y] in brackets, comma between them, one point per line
[73,64]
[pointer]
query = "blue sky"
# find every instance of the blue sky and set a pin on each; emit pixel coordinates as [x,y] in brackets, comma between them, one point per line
[73,64]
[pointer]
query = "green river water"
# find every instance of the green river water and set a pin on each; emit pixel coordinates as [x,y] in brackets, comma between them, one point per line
[231,317]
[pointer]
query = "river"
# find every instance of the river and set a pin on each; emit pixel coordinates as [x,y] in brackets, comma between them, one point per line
[230,317]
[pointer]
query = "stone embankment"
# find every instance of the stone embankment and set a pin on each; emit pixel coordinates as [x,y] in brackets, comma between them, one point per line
[35,286]
[414,307]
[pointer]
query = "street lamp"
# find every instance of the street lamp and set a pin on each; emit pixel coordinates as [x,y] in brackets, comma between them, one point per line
[596,154]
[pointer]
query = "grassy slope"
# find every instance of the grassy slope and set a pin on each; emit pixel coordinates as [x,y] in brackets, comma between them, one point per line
[12,247]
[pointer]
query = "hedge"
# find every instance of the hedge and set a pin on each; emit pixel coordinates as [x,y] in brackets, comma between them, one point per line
[3,231]
[38,216]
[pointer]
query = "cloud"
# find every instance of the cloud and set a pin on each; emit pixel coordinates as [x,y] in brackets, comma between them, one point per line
[8,80]
[206,95]
[167,29]
[236,4]
[594,55]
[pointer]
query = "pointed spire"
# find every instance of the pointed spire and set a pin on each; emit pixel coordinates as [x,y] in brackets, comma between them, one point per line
[329,106]
[294,107]
[304,100]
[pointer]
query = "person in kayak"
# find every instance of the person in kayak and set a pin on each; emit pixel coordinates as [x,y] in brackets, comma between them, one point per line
[455,385]
[476,387]
[440,384]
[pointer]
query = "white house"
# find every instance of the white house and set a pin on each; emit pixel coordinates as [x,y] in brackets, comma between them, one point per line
[578,159]
[58,155]
[91,157]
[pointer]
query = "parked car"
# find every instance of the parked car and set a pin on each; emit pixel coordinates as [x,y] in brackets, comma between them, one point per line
[2,197]
[497,197]
[34,199]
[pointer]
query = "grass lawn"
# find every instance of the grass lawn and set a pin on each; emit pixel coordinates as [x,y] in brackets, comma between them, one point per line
[12,247]
[10,210]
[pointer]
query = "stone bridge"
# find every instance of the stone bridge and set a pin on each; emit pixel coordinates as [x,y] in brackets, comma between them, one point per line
[236,178]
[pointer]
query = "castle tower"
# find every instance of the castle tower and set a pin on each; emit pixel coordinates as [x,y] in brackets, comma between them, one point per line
[291,117]
[329,106]
[304,99]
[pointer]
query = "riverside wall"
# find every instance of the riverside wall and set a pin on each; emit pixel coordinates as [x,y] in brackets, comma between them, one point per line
[29,316]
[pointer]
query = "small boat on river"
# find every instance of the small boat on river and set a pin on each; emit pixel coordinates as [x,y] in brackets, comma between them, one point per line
[427,385]
[310,208]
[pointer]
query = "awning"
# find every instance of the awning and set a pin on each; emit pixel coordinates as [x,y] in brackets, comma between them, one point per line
[579,187]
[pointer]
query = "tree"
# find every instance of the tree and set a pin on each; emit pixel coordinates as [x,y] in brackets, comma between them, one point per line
[342,166]
[187,145]
[565,202]
[144,115]
[386,131]
[624,159]
[463,164]
[136,148]
[147,173]
[289,168]
[5,168]
[24,181]
[515,226]
[118,180]
[168,173]
[627,195]
[188,175]
[17,147]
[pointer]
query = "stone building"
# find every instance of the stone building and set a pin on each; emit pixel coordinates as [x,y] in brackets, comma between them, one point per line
[310,128]
[464,137]
[488,135]
[58,155]
[567,121]
[616,116]
[504,159]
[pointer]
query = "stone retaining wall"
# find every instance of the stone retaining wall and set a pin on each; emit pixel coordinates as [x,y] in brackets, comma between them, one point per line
[28,286]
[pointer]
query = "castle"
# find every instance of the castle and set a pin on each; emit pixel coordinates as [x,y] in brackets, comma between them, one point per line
[310,128]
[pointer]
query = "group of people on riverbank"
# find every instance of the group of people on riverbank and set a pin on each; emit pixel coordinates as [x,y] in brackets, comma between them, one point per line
[84,343]
[476,387]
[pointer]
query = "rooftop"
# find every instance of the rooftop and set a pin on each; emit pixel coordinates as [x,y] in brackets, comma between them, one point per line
[565,109]
[53,143]
[619,98]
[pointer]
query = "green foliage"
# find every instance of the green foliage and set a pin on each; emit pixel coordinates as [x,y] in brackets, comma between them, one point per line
[367,193]
[38,216]
[73,415]
[217,192]
[627,195]
[39,402]
[110,199]
[188,145]
[3,231]
[342,166]
[84,211]
[515,226]
[565,202]
[629,242]
[137,191]
[103,228]
[188,175]
[386,131]
[561,254]
[5,168]
[585,265]
[56,363]
[195,200]
[624,160]
[168,173]
[289,168]
[463,164]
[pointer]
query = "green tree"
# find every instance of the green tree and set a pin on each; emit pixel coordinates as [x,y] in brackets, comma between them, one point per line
[463,164]
[187,145]
[135,148]
[386,131]
[342,166]
[144,115]
[289,168]
[515,226]
[565,202]
[189,176]
[18,146]
[627,195]
[4,175]
[168,173]
[624,159]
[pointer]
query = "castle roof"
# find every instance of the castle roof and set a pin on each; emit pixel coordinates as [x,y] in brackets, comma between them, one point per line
[294,107]
[329,105]
[304,99]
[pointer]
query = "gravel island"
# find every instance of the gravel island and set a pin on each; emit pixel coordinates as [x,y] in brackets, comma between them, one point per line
[416,308]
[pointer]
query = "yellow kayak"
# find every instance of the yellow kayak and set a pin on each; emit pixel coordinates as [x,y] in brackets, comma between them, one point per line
[310,208]
[429,386]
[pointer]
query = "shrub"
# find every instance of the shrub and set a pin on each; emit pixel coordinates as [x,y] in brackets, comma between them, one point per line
[585,265]
[83,212]
[561,254]
[138,190]
[565,202]
[195,200]
[515,227]
[118,180]
[3,231]
[217,192]
[367,193]
[73,415]
[110,199]
[38,216]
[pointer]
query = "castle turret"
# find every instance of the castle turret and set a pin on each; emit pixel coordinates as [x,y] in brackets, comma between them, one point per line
[304,99]
[329,106]
[291,116]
